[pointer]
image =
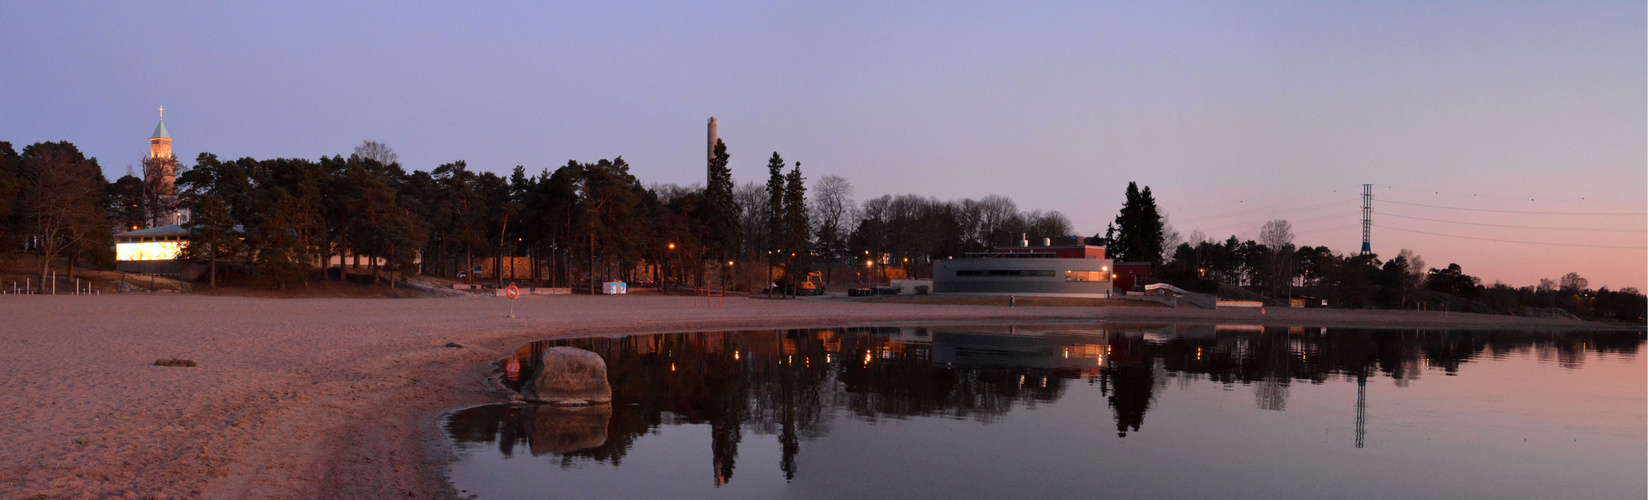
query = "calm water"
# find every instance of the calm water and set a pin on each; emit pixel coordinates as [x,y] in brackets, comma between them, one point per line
[1088,411]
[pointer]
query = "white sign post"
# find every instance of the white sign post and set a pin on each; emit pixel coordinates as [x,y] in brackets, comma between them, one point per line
[513,293]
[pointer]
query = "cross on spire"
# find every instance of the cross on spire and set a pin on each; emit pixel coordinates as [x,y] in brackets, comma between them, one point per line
[163,112]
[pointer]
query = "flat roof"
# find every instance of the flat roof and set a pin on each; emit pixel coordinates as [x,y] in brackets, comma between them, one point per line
[167,230]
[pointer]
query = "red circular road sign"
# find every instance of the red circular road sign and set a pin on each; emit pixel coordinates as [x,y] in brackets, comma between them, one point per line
[512,292]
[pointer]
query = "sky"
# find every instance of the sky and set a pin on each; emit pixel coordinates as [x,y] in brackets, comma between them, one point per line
[1508,137]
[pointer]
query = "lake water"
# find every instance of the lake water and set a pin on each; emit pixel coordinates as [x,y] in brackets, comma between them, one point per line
[1079,411]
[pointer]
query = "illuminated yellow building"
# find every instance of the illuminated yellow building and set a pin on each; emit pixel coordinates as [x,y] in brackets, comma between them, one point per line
[158,243]
[156,250]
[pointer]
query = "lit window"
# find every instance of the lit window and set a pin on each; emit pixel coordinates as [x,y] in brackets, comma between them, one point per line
[152,250]
[1086,276]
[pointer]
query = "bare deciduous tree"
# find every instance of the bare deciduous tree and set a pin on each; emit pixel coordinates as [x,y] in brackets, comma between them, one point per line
[373,150]
[1572,282]
[1416,266]
[832,208]
[668,193]
[1171,239]
[998,218]
[1277,235]
[752,216]
[1051,225]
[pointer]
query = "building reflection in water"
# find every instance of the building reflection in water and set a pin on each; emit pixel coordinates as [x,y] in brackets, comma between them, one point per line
[791,383]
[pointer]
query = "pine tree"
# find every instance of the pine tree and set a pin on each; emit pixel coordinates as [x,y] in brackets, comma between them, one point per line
[796,228]
[720,217]
[11,167]
[1138,229]
[776,237]
[211,234]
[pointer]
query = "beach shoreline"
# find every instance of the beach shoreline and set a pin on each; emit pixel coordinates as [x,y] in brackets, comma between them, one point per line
[303,398]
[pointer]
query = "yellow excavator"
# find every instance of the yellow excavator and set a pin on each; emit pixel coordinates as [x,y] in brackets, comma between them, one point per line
[811,286]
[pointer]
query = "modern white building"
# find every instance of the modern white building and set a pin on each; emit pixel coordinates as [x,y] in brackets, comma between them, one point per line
[1025,271]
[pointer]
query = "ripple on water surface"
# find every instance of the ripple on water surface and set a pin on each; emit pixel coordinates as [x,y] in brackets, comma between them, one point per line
[1062,411]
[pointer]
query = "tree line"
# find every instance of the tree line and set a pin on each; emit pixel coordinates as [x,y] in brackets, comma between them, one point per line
[1276,268]
[578,224]
[586,222]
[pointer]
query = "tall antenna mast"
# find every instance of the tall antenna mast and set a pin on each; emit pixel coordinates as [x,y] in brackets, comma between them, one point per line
[709,156]
[1367,217]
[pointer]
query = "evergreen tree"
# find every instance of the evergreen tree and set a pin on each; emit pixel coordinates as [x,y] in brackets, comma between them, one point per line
[277,255]
[11,167]
[1454,280]
[1137,233]
[614,223]
[126,203]
[796,228]
[719,218]
[304,181]
[500,209]
[562,211]
[11,186]
[372,194]
[211,234]
[230,181]
[458,215]
[776,237]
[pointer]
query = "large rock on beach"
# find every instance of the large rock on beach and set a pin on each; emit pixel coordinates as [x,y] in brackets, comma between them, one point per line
[568,376]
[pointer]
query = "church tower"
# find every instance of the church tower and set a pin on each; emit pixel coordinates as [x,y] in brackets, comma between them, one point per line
[160,176]
[160,144]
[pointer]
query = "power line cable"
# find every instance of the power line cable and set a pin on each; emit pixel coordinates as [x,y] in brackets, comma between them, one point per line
[1305,197]
[1510,241]
[1599,230]
[1622,214]
[1222,227]
[1326,229]
[1519,198]
[1275,209]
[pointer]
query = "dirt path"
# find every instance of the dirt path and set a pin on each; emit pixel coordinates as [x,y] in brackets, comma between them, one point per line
[338,398]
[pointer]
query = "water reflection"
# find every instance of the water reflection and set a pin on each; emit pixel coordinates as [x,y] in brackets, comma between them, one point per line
[792,383]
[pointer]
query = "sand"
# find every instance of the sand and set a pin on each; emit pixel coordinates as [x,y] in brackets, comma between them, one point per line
[341,398]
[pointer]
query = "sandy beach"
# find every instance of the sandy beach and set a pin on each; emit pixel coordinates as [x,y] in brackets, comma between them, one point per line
[340,398]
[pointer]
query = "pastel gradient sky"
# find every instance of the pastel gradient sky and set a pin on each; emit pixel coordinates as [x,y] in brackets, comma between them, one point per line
[1232,112]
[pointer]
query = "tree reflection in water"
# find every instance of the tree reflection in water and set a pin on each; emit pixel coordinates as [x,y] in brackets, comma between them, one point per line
[791,383]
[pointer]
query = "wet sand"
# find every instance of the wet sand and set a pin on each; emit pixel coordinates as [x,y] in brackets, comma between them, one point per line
[339,398]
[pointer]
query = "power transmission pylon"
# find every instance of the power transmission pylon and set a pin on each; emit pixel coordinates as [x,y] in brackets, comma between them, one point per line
[1367,218]
[1361,408]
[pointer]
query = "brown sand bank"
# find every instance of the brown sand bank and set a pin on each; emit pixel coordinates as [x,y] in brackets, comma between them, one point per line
[338,398]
